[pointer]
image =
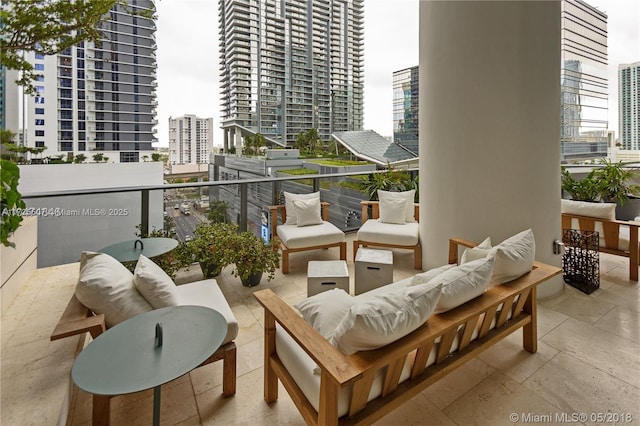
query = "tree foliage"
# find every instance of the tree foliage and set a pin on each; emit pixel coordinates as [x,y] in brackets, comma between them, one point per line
[253,143]
[309,142]
[48,27]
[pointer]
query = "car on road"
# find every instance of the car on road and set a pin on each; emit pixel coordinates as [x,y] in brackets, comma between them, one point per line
[187,238]
[177,206]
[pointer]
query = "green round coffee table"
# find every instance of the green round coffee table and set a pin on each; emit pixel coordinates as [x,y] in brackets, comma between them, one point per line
[147,351]
[129,251]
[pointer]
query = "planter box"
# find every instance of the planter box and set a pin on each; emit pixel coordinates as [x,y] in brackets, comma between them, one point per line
[17,264]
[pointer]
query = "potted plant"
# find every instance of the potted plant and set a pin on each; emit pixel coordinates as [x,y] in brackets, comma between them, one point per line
[586,189]
[210,246]
[252,257]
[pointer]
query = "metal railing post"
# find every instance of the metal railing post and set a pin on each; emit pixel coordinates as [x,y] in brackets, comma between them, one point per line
[144,214]
[242,222]
[316,184]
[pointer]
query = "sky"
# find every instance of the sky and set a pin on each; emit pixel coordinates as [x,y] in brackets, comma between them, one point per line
[187,55]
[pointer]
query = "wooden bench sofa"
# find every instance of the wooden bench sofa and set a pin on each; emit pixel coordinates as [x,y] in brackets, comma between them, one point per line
[618,237]
[402,369]
[77,320]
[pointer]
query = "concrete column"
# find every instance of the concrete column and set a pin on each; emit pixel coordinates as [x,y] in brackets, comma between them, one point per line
[225,143]
[490,125]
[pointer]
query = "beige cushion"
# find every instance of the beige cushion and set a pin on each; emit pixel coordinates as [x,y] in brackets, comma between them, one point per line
[106,287]
[207,293]
[605,211]
[377,320]
[308,212]
[392,210]
[374,231]
[289,198]
[406,196]
[294,236]
[154,284]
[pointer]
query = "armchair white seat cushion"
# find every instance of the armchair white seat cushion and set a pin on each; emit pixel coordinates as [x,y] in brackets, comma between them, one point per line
[207,293]
[294,236]
[375,231]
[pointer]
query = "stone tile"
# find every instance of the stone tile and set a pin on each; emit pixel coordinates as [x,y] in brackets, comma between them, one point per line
[495,401]
[417,411]
[580,306]
[622,322]
[455,384]
[578,387]
[602,350]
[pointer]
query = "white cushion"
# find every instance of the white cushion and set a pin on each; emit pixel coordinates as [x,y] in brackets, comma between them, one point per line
[406,196]
[207,293]
[106,287]
[307,212]
[325,310]
[478,252]
[392,210]
[377,320]
[605,211]
[463,283]
[425,277]
[289,198]
[154,284]
[374,231]
[294,236]
[514,257]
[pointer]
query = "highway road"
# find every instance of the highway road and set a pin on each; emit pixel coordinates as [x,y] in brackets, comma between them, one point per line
[184,224]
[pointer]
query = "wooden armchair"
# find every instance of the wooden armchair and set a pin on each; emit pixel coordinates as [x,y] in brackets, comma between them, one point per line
[293,238]
[378,234]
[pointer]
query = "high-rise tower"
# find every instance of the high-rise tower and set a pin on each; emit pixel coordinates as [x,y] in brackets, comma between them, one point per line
[584,93]
[287,66]
[190,139]
[99,98]
[405,108]
[629,105]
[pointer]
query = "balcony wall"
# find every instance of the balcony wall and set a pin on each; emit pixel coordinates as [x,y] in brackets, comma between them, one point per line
[17,264]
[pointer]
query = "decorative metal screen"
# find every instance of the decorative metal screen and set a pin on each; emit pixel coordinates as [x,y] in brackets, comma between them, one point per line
[581,260]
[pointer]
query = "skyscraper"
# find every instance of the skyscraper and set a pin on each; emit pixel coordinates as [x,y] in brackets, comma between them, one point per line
[405,108]
[98,98]
[629,105]
[584,122]
[190,139]
[287,66]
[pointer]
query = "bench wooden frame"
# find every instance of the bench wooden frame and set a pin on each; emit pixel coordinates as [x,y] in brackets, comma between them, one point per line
[611,230]
[517,297]
[77,319]
[375,214]
[281,211]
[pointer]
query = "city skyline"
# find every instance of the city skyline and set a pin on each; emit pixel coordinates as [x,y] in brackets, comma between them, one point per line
[188,58]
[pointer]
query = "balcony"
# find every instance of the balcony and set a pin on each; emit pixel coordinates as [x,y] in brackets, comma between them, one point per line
[588,347]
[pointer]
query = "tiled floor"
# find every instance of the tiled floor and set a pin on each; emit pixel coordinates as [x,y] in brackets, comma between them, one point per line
[588,361]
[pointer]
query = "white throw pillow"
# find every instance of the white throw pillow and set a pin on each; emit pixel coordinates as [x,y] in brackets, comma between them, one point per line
[154,284]
[106,287]
[325,310]
[407,196]
[583,208]
[463,283]
[514,257]
[478,252]
[307,212]
[425,277]
[375,321]
[289,198]
[392,210]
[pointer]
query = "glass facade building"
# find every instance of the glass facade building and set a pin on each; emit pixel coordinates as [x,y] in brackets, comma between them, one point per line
[190,139]
[99,99]
[405,108]
[584,113]
[629,105]
[287,66]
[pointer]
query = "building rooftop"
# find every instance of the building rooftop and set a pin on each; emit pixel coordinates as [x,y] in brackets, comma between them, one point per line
[587,360]
[371,146]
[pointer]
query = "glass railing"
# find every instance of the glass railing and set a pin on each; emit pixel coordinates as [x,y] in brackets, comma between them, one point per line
[73,221]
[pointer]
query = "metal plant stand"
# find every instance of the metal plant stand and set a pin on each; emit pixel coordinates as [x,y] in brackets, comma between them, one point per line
[581,260]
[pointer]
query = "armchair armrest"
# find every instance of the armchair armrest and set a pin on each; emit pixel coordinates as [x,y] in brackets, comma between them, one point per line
[78,319]
[328,358]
